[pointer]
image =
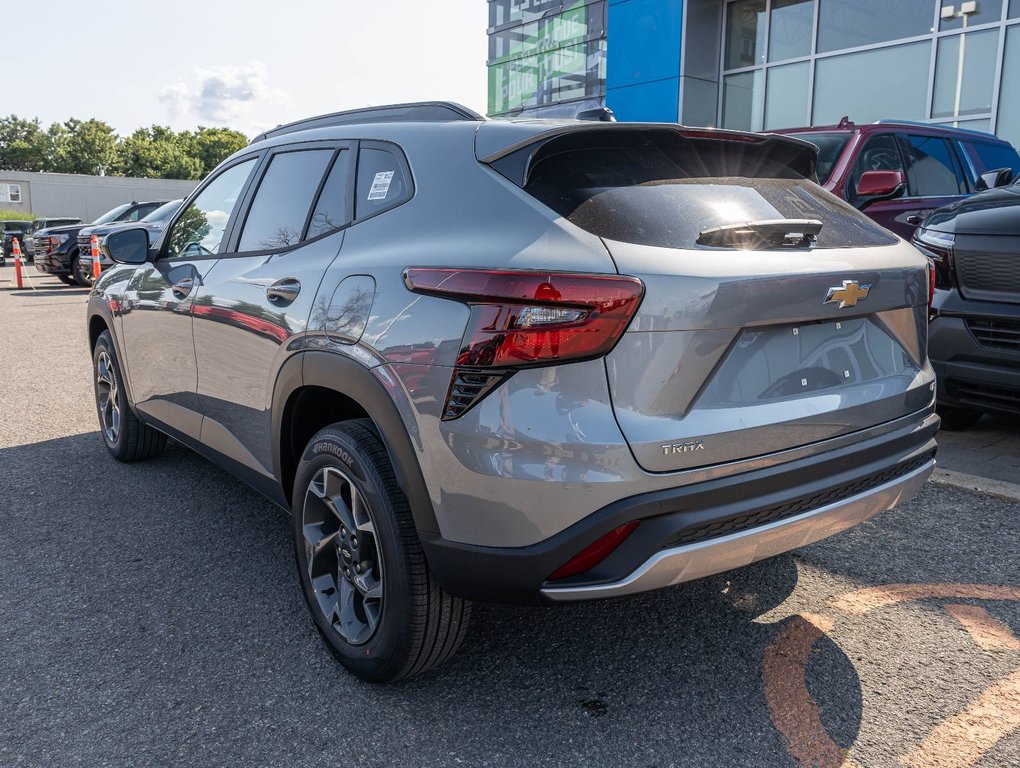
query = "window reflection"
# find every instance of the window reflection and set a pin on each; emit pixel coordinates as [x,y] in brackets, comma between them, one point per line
[973,54]
[790,29]
[845,24]
[745,33]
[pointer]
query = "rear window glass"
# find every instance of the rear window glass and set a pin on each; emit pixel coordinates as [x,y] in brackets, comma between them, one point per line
[278,212]
[830,147]
[651,196]
[381,182]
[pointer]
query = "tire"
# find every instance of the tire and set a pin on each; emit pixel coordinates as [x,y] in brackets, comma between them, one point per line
[68,279]
[416,625]
[127,438]
[954,418]
[78,271]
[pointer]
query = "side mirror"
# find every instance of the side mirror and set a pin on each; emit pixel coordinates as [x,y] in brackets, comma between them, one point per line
[1001,177]
[880,183]
[128,246]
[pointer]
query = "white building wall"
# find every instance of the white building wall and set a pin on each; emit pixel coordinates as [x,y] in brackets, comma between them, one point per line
[86,197]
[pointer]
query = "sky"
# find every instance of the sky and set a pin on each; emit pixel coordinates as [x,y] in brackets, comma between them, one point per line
[187,63]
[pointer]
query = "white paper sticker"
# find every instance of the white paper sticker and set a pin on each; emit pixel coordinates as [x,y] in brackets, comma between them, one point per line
[380,185]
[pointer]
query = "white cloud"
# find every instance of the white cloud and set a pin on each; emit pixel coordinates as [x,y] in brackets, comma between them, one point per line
[224,95]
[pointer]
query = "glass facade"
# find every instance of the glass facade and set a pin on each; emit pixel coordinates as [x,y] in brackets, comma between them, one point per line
[545,52]
[789,63]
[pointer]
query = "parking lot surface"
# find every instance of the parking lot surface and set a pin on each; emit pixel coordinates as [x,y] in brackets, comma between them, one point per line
[149,614]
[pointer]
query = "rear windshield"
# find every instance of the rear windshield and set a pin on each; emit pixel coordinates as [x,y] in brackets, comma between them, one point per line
[656,196]
[830,147]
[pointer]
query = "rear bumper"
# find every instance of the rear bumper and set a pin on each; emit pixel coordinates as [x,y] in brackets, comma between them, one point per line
[694,561]
[693,531]
[971,374]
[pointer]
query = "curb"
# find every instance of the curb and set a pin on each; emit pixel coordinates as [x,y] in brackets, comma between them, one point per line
[1000,488]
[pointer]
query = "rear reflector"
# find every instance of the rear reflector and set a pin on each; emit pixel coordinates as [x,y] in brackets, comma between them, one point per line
[527,319]
[595,552]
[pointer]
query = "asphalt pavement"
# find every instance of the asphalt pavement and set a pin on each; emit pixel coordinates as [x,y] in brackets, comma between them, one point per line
[150,615]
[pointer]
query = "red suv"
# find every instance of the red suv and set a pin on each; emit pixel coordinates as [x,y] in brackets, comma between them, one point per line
[898,172]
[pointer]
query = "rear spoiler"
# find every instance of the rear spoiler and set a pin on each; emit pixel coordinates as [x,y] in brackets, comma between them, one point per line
[513,149]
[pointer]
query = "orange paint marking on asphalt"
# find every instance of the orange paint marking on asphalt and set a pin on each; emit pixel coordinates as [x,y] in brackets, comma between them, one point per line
[961,741]
[988,633]
[794,712]
[861,601]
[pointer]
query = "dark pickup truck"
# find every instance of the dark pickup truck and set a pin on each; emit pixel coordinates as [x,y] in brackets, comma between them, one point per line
[11,230]
[56,248]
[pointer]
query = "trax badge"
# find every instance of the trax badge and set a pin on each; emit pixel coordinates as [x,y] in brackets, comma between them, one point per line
[697,445]
[849,294]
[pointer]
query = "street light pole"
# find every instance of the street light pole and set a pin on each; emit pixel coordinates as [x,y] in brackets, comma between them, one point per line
[948,12]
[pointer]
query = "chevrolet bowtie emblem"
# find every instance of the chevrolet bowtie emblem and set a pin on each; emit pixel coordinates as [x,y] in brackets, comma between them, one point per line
[849,294]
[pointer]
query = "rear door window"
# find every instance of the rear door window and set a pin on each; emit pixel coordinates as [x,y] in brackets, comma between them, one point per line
[331,209]
[657,196]
[276,218]
[992,157]
[932,169]
[382,181]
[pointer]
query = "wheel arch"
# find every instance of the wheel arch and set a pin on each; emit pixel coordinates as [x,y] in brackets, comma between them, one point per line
[338,388]
[100,318]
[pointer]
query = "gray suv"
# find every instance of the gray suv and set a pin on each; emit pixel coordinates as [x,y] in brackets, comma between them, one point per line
[521,361]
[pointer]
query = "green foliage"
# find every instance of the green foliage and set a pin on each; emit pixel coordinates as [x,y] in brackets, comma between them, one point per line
[23,144]
[92,147]
[214,145]
[159,153]
[15,215]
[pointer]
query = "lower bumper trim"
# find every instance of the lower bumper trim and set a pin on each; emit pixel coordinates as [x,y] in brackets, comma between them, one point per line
[695,561]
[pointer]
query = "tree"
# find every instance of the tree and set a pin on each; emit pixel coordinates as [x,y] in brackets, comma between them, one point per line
[214,145]
[82,146]
[158,152]
[23,145]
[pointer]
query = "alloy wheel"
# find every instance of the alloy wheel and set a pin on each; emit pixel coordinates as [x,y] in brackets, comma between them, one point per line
[108,397]
[342,555]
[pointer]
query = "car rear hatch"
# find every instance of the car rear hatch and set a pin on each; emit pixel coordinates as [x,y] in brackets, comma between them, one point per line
[775,315]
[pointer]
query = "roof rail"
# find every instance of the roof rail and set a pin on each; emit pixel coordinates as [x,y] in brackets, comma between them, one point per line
[419,111]
[943,126]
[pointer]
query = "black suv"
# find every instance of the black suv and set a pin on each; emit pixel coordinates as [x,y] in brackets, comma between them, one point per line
[11,230]
[56,248]
[974,338]
[48,222]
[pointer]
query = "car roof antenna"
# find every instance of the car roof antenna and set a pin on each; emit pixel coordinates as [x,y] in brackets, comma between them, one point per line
[845,122]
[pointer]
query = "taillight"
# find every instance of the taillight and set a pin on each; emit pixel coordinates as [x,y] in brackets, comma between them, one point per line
[526,319]
[595,552]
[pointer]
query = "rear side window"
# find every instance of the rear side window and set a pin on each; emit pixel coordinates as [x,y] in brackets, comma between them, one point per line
[664,197]
[277,215]
[331,208]
[382,183]
[932,170]
[995,156]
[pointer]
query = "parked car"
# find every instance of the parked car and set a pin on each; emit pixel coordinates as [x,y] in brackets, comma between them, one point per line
[56,248]
[899,172]
[8,231]
[153,224]
[538,361]
[975,325]
[28,246]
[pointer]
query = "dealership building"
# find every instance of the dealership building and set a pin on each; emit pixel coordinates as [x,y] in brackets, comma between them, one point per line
[760,64]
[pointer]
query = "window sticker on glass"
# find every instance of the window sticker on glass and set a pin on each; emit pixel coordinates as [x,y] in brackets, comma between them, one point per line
[380,185]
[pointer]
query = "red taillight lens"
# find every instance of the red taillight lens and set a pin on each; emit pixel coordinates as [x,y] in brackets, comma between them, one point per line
[524,319]
[595,552]
[931,283]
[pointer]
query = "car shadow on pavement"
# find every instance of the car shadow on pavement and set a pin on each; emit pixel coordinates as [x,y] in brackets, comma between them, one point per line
[150,612]
[50,292]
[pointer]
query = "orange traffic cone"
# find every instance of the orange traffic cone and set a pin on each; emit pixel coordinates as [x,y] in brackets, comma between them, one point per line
[16,253]
[96,267]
